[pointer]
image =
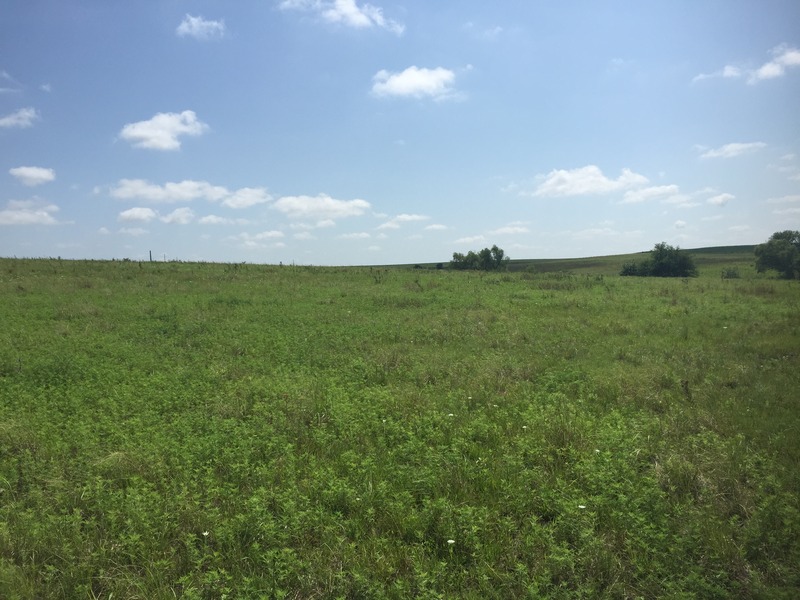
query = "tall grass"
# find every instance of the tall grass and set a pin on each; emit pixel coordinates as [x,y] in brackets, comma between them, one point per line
[206,431]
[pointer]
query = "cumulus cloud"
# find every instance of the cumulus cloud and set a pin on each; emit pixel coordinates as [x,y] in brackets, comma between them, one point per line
[179,216]
[720,199]
[247,197]
[585,181]
[28,212]
[217,220]
[138,214]
[265,239]
[33,176]
[436,227]
[397,222]
[663,192]
[24,117]
[354,236]
[163,130]
[415,82]
[320,207]
[733,150]
[346,12]
[200,29]
[475,239]
[783,57]
[186,191]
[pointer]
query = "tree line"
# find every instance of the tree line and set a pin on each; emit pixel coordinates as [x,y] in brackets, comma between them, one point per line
[488,259]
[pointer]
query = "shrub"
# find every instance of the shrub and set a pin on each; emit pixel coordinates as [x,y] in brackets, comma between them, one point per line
[664,261]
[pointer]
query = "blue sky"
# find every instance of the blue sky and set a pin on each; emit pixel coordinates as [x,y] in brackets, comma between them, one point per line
[342,132]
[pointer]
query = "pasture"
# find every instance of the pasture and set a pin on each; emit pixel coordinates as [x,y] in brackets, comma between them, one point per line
[191,430]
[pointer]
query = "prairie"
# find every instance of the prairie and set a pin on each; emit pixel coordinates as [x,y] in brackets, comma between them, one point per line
[198,430]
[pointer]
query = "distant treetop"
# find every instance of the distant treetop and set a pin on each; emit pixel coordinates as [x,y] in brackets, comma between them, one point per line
[488,259]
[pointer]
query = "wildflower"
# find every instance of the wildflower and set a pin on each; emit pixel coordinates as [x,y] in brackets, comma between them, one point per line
[581,506]
[450,415]
[524,426]
[451,542]
[205,534]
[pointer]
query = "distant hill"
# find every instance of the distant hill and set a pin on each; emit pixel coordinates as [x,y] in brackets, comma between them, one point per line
[706,259]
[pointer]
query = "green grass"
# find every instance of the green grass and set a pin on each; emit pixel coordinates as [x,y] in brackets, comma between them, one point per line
[204,431]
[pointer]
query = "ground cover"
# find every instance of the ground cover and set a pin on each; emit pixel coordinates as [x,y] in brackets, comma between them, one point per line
[205,431]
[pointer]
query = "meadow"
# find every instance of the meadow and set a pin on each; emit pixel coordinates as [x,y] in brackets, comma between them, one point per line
[192,430]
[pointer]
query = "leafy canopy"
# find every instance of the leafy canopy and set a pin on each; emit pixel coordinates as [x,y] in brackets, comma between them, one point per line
[664,261]
[488,259]
[780,253]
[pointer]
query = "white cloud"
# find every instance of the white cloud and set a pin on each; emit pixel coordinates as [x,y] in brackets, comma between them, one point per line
[201,29]
[680,224]
[720,199]
[162,131]
[33,176]
[9,84]
[785,199]
[436,227]
[188,190]
[137,214]
[22,118]
[415,83]
[794,210]
[727,72]
[584,181]
[396,222]
[179,216]
[354,236]
[510,230]
[649,193]
[28,212]
[320,207]
[346,12]
[303,235]
[733,150]
[489,34]
[247,197]
[470,240]
[783,57]
[264,239]
[217,220]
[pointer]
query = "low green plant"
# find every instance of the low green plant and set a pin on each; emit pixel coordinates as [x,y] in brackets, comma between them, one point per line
[193,430]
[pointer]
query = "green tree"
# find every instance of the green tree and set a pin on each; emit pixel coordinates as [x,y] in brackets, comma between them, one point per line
[780,253]
[664,261]
[488,259]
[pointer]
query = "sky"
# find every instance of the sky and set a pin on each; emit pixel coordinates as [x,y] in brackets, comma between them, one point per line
[345,132]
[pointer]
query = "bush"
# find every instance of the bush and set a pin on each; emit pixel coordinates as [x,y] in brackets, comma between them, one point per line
[488,259]
[664,261]
[780,253]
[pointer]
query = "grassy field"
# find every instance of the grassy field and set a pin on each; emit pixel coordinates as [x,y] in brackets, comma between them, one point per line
[187,430]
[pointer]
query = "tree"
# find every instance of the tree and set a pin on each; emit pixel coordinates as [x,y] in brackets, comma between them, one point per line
[664,261]
[780,253]
[488,259]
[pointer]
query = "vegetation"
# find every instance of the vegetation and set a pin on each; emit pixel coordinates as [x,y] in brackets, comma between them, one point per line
[488,259]
[664,261]
[780,253]
[172,430]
